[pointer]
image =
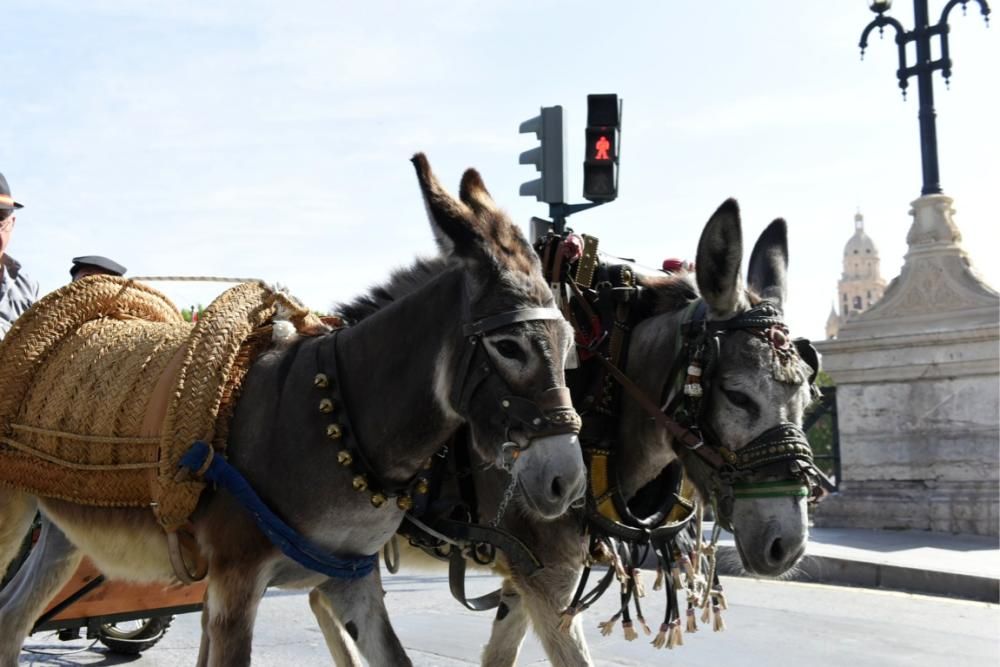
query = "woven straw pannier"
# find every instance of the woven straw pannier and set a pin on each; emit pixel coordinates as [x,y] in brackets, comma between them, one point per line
[103,386]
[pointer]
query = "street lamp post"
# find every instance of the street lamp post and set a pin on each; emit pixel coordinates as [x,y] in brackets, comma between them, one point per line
[924,66]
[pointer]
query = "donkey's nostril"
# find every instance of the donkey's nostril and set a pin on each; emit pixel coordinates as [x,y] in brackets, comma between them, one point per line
[557,487]
[777,551]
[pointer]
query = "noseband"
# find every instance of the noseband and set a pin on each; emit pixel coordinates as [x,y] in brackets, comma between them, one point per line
[780,452]
[551,412]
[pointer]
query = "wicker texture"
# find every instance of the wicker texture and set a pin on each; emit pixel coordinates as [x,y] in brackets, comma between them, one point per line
[78,374]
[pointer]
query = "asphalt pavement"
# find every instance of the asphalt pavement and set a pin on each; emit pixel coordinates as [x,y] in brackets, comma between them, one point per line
[768,623]
[805,621]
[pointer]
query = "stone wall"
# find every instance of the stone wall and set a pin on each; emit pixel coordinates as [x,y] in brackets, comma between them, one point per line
[918,392]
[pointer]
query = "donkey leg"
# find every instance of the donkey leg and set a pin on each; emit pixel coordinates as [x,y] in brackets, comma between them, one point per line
[17,509]
[545,596]
[234,594]
[359,604]
[204,644]
[509,627]
[340,644]
[51,563]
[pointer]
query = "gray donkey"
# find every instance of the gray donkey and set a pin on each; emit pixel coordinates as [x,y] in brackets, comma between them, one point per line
[478,343]
[745,398]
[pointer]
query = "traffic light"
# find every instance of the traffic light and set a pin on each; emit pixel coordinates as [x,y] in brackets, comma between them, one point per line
[600,164]
[548,158]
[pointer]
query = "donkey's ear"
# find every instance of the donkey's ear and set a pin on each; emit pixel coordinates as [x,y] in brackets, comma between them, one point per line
[474,194]
[453,224]
[720,252]
[769,263]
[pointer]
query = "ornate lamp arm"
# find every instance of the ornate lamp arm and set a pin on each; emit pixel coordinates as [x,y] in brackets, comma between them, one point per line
[984,9]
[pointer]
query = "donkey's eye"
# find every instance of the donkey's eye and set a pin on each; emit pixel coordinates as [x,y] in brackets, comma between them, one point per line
[510,350]
[738,398]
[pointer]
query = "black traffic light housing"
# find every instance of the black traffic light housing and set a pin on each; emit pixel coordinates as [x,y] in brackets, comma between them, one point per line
[600,164]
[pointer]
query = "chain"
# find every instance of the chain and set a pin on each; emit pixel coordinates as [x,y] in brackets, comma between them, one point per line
[507,495]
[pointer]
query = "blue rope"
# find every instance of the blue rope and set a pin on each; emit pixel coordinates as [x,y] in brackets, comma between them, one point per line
[283,536]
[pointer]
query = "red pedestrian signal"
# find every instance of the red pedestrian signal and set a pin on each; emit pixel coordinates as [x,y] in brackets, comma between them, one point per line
[600,165]
[602,147]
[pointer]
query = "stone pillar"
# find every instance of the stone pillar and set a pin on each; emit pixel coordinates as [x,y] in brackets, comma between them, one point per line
[917,390]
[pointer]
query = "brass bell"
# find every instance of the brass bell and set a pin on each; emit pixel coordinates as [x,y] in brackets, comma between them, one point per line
[344,457]
[326,406]
[404,503]
[360,482]
[334,432]
[422,487]
[378,499]
[321,381]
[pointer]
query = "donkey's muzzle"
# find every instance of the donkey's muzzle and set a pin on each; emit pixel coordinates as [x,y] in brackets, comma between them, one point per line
[551,474]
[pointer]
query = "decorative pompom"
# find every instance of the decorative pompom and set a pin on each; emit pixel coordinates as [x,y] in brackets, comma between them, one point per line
[283,332]
[572,248]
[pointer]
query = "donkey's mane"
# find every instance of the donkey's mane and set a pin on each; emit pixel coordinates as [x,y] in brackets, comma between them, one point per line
[669,293]
[401,282]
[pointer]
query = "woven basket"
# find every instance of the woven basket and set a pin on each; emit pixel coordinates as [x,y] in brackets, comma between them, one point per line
[103,386]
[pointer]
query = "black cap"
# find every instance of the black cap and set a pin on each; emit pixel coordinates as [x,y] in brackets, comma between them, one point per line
[106,265]
[7,202]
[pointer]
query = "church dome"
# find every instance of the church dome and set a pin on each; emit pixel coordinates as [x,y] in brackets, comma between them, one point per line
[860,244]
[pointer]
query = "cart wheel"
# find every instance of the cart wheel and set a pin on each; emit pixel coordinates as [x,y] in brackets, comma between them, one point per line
[133,637]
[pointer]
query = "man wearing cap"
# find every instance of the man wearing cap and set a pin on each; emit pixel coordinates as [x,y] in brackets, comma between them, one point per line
[95,265]
[17,290]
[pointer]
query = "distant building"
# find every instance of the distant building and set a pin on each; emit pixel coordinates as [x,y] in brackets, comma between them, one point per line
[861,284]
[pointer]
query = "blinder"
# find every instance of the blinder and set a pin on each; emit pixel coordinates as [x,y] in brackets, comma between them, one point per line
[551,412]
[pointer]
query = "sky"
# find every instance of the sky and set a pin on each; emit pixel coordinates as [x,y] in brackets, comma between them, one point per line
[272,140]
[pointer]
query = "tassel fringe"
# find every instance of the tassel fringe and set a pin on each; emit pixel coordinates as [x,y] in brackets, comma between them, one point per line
[640,590]
[660,640]
[676,637]
[566,618]
[692,623]
[608,626]
[718,625]
[706,613]
[658,584]
[630,633]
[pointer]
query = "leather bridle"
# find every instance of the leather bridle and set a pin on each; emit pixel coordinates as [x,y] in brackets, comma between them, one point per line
[550,412]
[779,461]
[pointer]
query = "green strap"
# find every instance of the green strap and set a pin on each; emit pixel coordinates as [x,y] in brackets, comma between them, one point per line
[785,488]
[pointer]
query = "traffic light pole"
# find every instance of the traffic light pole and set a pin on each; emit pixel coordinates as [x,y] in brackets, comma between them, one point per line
[559,213]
